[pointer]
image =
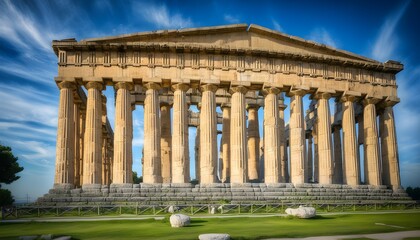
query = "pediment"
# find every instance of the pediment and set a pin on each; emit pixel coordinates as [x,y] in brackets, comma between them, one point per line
[239,36]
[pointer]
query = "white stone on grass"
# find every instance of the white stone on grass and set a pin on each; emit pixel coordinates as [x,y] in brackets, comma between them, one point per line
[179,220]
[302,212]
[214,236]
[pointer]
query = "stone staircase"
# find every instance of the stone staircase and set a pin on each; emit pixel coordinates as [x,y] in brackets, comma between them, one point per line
[248,193]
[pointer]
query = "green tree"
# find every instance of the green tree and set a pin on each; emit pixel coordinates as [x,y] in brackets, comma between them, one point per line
[6,198]
[137,179]
[9,166]
[414,193]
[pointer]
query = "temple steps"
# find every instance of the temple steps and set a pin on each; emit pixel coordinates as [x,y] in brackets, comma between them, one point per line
[161,194]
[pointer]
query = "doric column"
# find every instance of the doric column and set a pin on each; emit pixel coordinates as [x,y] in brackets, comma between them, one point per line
[165,142]
[226,143]
[272,168]
[389,147]
[123,135]
[238,143]
[338,160]
[371,147]
[64,162]
[310,160]
[253,142]
[152,160]
[284,172]
[82,117]
[92,156]
[316,162]
[360,140]
[297,137]
[351,172]
[105,133]
[208,135]
[180,153]
[324,139]
[76,116]
[197,154]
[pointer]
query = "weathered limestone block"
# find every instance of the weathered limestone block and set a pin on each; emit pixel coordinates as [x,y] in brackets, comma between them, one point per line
[179,220]
[302,212]
[214,236]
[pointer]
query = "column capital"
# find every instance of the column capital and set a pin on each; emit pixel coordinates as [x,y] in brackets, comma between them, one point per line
[323,94]
[269,90]
[152,85]
[165,104]
[95,85]
[124,85]
[389,102]
[282,106]
[370,100]
[297,92]
[66,84]
[238,89]
[181,86]
[208,87]
[349,98]
[225,105]
[252,105]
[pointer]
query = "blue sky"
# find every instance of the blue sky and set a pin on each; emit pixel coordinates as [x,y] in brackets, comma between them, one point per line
[380,30]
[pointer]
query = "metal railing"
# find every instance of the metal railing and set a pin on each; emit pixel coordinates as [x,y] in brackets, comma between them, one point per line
[192,209]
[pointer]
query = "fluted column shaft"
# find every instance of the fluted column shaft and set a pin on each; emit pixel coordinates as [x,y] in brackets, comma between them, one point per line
[324,140]
[76,116]
[297,138]
[166,142]
[271,137]
[64,163]
[208,135]
[92,156]
[253,142]
[371,147]
[81,142]
[310,160]
[180,153]
[284,172]
[338,160]
[390,161]
[123,135]
[226,111]
[197,154]
[351,172]
[238,139]
[152,151]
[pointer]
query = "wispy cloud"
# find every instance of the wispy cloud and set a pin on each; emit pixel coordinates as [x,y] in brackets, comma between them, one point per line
[387,40]
[277,26]
[231,19]
[321,35]
[160,16]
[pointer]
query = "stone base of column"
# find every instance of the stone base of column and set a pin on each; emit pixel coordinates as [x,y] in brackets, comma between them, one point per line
[89,187]
[121,185]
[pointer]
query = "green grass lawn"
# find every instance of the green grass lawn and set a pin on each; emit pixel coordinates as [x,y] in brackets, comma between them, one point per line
[238,228]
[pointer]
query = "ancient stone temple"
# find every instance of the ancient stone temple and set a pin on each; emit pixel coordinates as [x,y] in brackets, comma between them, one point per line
[343,152]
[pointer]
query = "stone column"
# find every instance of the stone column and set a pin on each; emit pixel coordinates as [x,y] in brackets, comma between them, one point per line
[238,143]
[371,147]
[324,139]
[152,151]
[123,135]
[310,160]
[272,168]
[284,172]
[226,143]
[197,154]
[82,117]
[390,161]
[76,115]
[166,142]
[64,163]
[297,137]
[316,162]
[253,142]
[351,173]
[105,160]
[208,135]
[180,153]
[338,160]
[92,157]
[360,140]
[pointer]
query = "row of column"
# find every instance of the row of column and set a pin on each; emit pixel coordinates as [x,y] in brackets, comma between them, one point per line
[237,141]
